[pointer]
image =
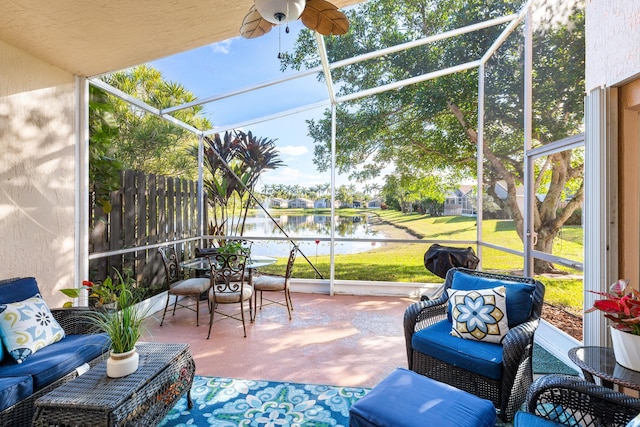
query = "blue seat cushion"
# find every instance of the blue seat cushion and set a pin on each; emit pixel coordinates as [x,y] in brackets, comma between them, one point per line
[480,357]
[526,419]
[14,389]
[519,295]
[18,290]
[58,359]
[405,398]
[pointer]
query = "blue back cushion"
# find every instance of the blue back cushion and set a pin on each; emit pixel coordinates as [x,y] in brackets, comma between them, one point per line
[15,290]
[519,295]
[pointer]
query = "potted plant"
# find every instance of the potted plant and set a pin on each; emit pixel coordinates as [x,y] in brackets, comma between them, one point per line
[621,306]
[124,327]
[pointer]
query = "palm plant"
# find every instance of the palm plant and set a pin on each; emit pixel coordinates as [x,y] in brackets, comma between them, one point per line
[234,163]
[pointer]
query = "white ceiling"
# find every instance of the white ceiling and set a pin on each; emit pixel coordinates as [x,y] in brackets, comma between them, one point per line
[92,37]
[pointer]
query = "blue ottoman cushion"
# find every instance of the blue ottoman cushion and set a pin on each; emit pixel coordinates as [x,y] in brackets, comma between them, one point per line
[482,358]
[13,390]
[55,361]
[405,398]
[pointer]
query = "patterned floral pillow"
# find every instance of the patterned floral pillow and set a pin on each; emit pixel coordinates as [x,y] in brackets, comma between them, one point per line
[479,314]
[27,326]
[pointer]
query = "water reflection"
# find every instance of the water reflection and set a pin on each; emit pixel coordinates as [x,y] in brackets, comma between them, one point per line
[354,227]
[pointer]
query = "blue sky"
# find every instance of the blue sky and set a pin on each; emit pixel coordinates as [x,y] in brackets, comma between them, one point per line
[239,63]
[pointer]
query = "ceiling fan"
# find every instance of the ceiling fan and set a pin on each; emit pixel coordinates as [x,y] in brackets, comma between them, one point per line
[318,15]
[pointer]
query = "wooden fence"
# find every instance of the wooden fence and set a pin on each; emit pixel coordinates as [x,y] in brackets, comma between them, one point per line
[146,210]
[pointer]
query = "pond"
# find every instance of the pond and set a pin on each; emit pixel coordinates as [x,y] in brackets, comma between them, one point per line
[355,227]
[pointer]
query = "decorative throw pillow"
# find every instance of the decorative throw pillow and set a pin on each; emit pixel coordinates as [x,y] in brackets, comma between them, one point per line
[479,314]
[27,326]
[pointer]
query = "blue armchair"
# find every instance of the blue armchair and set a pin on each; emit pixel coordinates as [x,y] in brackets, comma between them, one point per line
[561,400]
[492,361]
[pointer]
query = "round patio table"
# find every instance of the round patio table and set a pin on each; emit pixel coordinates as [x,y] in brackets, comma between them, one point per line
[600,362]
[202,265]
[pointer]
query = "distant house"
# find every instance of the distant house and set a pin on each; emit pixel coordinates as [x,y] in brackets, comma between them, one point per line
[301,203]
[277,202]
[356,204]
[458,202]
[324,203]
[374,204]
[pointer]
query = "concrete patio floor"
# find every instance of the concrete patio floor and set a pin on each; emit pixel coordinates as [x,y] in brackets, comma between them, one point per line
[341,340]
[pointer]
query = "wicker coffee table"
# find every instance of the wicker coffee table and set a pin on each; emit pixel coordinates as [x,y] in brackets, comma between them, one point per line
[141,399]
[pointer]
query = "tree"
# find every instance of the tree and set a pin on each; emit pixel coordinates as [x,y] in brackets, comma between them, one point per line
[234,163]
[431,126]
[104,169]
[148,143]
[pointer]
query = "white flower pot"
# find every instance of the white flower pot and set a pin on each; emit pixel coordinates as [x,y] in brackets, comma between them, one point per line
[122,364]
[626,348]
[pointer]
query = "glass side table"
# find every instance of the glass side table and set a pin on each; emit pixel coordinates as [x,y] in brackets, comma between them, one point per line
[600,362]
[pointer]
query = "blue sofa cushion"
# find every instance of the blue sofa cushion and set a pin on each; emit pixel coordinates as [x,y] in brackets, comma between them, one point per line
[14,389]
[480,357]
[519,295]
[18,290]
[405,398]
[57,360]
[526,419]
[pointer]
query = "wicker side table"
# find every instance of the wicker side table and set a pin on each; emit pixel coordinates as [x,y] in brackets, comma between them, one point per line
[141,399]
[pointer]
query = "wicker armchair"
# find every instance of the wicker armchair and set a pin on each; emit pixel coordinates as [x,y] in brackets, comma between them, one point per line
[573,401]
[73,321]
[508,392]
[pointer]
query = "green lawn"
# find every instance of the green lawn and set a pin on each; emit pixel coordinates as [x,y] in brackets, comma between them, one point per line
[404,262]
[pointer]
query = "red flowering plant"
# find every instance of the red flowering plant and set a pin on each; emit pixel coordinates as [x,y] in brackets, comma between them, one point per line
[621,306]
[76,292]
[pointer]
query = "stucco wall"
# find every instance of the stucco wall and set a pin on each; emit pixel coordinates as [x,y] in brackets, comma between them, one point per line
[613,42]
[37,180]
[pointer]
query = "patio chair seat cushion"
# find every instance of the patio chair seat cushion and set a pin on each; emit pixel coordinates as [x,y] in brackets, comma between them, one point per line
[231,297]
[526,419]
[480,357]
[193,286]
[519,296]
[14,389]
[405,398]
[57,360]
[268,283]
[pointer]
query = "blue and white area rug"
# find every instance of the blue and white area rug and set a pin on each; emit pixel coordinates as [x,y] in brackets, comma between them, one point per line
[235,402]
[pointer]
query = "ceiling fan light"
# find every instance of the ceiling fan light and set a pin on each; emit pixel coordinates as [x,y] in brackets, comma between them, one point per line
[280,11]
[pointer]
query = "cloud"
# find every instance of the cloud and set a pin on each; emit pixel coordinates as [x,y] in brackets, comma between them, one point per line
[293,150]
[221,47]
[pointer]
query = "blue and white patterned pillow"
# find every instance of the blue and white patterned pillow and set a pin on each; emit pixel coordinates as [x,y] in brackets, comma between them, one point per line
[27,326]
[479,314]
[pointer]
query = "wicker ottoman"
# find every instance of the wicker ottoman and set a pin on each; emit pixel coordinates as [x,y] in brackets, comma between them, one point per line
[406,398]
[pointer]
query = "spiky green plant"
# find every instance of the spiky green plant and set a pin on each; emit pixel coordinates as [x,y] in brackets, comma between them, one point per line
[124,325]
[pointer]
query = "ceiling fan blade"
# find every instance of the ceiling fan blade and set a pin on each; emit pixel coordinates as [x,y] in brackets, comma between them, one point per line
[325,18]
[254,25]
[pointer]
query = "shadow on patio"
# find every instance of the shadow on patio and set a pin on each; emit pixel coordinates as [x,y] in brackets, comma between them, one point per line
[341,340]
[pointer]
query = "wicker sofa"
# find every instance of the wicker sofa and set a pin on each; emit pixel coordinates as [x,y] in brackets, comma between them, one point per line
[48,367]
[502,372]
[560,400]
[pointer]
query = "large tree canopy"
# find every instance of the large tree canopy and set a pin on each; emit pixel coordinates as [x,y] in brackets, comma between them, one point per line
[430,128]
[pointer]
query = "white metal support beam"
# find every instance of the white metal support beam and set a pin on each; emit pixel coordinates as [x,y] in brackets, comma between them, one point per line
[528,164]
[81,228]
